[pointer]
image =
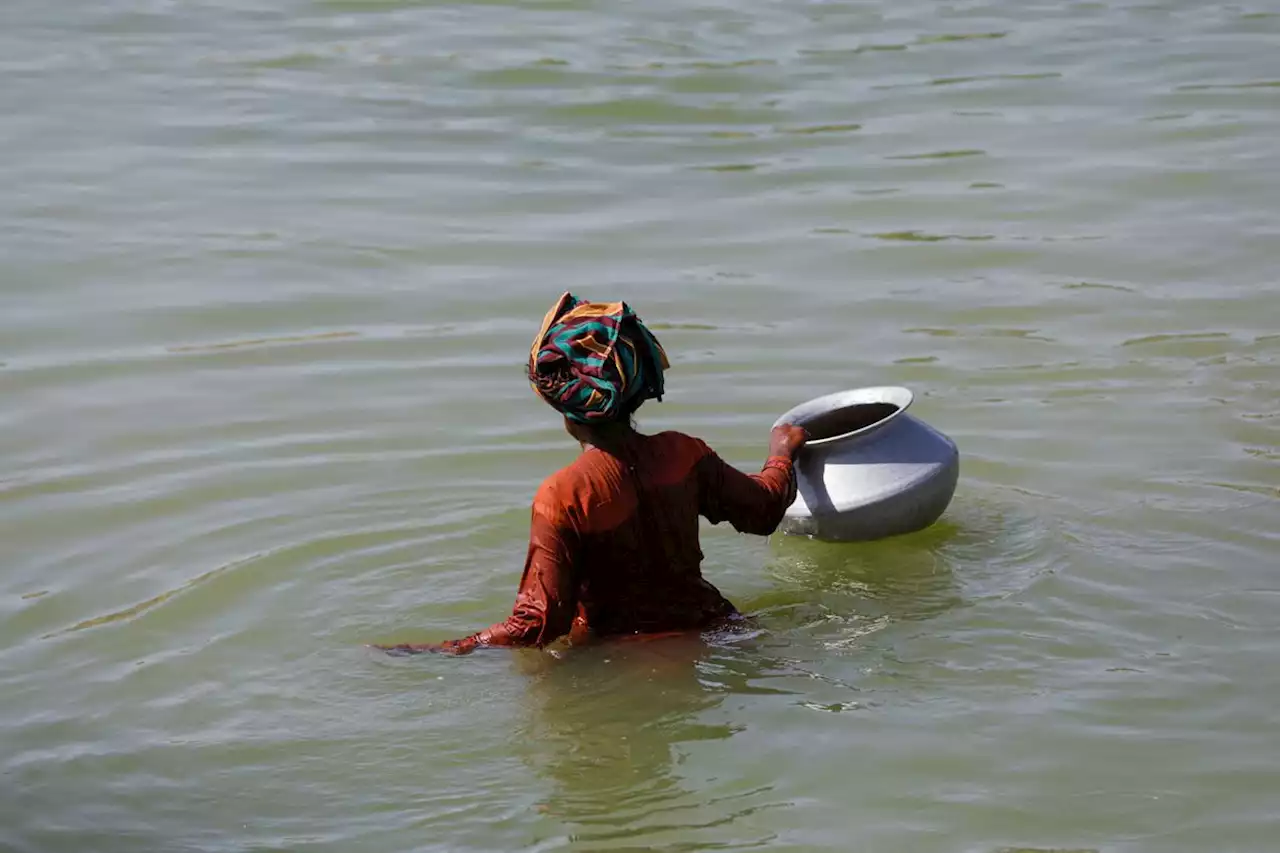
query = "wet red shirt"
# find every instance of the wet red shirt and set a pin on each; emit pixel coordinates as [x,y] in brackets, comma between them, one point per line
[613,545]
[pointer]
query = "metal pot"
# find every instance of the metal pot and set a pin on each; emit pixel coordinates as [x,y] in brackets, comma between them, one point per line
[870,470]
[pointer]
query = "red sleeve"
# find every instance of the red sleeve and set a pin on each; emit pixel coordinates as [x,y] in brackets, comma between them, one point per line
[547,598]
[752,503]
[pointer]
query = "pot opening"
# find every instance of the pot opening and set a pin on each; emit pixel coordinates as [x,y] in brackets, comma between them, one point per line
[847,420]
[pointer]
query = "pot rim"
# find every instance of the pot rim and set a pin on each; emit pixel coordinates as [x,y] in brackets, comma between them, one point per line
[894,395]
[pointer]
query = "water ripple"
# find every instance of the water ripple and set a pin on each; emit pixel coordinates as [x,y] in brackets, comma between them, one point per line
[270,276]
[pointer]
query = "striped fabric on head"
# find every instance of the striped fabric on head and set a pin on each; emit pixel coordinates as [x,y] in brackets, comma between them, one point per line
[595,362]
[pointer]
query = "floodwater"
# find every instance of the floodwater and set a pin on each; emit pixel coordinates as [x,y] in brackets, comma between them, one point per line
[268,275]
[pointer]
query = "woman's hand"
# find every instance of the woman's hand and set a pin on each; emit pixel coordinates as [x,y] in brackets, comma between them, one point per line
[448,647]
[786,440]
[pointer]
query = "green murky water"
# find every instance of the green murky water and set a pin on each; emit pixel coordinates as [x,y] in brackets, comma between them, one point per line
[268,272]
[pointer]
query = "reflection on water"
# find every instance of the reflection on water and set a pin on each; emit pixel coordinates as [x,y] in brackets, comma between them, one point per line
[904,577]
[611,725]
[835,594]
[607,728]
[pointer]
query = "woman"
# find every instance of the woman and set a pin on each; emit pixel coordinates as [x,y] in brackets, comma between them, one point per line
[613,545]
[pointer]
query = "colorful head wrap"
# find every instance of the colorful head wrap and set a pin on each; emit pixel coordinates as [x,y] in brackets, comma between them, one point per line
[595,362]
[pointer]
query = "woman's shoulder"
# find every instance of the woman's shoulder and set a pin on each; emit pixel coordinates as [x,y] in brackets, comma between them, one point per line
[577,483]
[672,442]
[679,441]
[592,474]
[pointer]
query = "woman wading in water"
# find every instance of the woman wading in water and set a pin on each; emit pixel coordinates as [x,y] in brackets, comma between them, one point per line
[613,544]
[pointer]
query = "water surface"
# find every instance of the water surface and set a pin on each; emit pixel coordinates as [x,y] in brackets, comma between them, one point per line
[268,274]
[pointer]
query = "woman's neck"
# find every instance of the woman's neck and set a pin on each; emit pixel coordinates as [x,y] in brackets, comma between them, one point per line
[611,438]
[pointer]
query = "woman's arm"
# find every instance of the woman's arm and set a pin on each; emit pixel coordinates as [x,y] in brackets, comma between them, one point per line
[752,503]
[546,600]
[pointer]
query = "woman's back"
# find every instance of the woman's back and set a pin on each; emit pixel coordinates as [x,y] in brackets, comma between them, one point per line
[619,530]
[634,517]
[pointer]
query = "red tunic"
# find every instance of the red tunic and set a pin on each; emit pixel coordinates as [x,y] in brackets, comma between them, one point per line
[613,545]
